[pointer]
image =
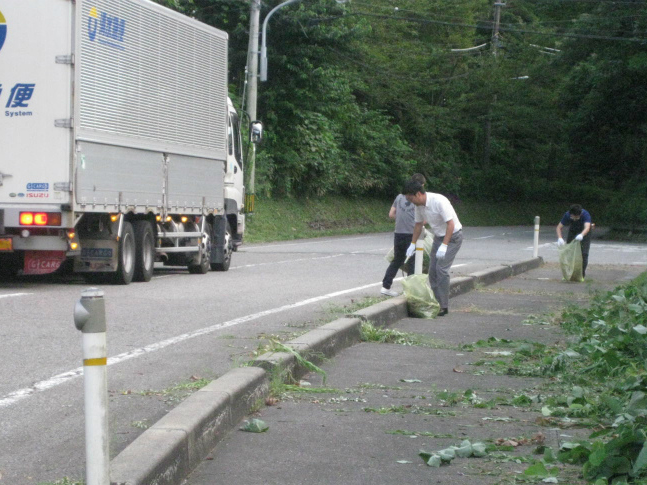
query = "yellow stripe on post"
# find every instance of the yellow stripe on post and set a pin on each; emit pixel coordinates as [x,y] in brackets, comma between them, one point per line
[99,361]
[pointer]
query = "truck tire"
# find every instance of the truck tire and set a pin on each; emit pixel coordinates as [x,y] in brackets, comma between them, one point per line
[144,250]
[126,266]
[203,266]
[227,251]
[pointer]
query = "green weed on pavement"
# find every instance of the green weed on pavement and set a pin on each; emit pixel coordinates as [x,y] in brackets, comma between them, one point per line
[605,368]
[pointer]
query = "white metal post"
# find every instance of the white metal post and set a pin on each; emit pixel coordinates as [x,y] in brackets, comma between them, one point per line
[90,318]
[420,250]
[535,251]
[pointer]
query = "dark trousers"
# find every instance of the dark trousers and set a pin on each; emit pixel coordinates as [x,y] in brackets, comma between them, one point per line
[400,245]
[439,268]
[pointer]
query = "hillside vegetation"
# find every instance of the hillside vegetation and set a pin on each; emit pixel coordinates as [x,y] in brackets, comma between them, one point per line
[362,94]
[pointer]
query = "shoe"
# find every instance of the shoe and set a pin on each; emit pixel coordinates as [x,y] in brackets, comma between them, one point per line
[387,292]
[443,312]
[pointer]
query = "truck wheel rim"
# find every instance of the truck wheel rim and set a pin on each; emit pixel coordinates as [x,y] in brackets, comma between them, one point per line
[148,251]
[128,253]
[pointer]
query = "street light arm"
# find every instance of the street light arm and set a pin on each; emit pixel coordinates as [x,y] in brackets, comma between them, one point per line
[264,38]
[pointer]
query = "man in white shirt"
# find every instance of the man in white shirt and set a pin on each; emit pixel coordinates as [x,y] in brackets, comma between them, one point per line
[448,237]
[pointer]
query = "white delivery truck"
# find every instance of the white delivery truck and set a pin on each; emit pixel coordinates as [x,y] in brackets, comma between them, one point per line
[119,146]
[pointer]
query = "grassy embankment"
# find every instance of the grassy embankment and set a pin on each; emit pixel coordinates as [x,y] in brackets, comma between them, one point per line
[276,220]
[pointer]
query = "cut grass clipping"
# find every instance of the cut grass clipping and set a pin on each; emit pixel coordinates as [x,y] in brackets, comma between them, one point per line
[302,361]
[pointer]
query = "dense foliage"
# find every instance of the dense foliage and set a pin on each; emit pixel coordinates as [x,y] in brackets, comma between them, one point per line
[362,94]
[605,366]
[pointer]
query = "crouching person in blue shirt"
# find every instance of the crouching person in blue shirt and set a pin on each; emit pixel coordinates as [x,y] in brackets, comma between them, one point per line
[578,221]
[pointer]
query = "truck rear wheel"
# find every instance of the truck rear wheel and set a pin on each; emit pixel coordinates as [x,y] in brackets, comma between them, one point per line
[144,250]
[205,252]
[126,266]
[228,249]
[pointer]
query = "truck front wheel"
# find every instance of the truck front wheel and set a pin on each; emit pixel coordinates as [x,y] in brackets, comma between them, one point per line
[144,250]
[126,265]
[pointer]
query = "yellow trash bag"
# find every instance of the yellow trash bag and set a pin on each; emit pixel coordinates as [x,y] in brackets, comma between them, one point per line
[421,302]
[570,260]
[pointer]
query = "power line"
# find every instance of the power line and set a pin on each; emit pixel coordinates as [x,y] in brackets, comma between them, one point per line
[588,19]
[486,25]
[601,2]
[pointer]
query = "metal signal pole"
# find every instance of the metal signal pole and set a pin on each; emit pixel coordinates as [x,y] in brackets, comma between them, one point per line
[252,82]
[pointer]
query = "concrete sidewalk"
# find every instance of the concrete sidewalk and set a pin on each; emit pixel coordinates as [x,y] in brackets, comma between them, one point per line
[371,424]
[359,429]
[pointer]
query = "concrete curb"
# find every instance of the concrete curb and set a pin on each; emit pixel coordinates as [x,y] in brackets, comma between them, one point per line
[384,313]
[458,286]
[168,451]
[523,266]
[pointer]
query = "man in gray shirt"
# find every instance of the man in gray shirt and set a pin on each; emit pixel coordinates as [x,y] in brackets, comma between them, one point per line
[403,212]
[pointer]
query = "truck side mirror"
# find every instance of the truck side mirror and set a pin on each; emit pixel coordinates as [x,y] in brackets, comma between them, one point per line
[256,131]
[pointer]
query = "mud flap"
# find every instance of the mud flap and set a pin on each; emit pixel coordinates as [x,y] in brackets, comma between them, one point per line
[97,256]
[219,230]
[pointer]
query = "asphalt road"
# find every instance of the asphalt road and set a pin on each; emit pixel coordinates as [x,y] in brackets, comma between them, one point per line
[180,326]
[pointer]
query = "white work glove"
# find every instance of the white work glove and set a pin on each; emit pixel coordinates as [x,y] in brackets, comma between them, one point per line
[579,237]
[411,250]
[440,254]
[560,242]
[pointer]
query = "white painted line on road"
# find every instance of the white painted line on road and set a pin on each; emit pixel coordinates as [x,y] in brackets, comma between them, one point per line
[545,245]
[285,261]
[56,380]
[15,294]
[288,261]
[484,237]
[318,241]
[306,259]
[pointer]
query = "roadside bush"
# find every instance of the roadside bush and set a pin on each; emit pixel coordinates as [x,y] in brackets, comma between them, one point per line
[628,208]
[610,355]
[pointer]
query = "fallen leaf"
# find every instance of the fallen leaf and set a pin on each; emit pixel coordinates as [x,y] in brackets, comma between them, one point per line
[456,369]
[539,438]
[271,401]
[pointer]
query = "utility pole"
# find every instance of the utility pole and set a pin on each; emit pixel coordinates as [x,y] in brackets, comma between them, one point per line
[497,23]
[252,82]
[495,45]
[252,58]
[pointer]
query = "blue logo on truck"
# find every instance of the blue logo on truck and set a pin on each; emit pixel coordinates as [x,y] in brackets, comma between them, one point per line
[3,30]
[40,187]
[18,96]
[107,29]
